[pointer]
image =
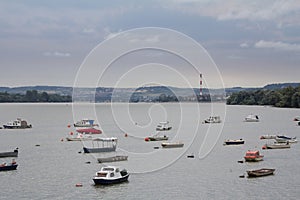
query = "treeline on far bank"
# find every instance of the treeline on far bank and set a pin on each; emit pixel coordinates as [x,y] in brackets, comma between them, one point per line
[288,97]
[33,96]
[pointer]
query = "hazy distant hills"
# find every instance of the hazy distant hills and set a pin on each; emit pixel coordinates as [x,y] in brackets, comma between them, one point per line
[150,93]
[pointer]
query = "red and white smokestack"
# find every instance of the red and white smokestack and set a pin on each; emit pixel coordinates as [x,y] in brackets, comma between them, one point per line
[200,84]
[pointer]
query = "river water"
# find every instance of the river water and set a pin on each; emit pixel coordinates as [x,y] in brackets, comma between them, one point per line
[49,168]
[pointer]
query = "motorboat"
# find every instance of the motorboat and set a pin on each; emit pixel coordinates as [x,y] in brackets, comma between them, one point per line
[163,126]
[252,118]
[17,124]
[234,142]
[172,144]
[80,137]
[85,123]
[88,130]
[110,175]
[277,146]
[285,139]
[156,138]
[9,153]
[213,119]
[8,167]
[260,172]
[267,137]
[103,145]
[112,159]
[253,156]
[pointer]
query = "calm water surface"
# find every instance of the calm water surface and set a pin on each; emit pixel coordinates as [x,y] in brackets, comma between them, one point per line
[51,170]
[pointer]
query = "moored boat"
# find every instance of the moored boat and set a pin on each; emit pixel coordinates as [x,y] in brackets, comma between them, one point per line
[17,124]
[110,175]
[252,118]
[260,172]
[285,139]
[267,137]
[163,126]
[277,146]
[172,144]
[85,123]
[9,153]
[7,167]
[80,137]
[253,156]
[112,159]
[87,130]
[107,145]
[234,142]
[213,119]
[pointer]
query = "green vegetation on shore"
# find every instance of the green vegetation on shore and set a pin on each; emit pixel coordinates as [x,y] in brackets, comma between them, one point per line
[33,96]
[288,97]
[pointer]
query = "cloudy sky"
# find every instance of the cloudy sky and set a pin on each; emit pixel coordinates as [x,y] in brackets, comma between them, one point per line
[252,43]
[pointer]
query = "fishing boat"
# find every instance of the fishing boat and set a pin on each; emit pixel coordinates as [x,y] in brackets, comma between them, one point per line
[253,156]
[7,167]
[9,153]
[163,126]
[80,137]
[213,119]
[285,139]
[260,172]
[252,118]
[112,159]
[234,142]
[85,123]
[88,130]
[172,144]
[110,175]
[267,137]
[277,146]
[103,145]
[17,124]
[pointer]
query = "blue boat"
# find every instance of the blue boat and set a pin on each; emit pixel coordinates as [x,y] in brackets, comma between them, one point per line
[9,167]
[110,175]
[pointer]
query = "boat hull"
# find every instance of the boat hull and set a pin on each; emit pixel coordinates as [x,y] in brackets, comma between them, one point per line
[278,146]
[172,145]
[158,138]
[104,181]
[234,142]
[164,129]
[8,167]
[260,172]
[257,159]
[98,150]
[16,127]
[112,159]
[9,154]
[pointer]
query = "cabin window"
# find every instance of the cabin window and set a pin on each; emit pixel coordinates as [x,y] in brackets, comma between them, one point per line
[112,174]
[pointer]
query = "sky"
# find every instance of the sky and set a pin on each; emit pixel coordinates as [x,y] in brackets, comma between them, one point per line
[251,43]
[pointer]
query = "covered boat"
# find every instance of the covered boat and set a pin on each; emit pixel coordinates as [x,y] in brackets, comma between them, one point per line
[110,175]
[85,123]
[17,124]
[213,119]
[252,118]
[172,144]
[253,156]
[260,172]
[163,126]
[87,130]
[234,142]
[103,145]
[9,153]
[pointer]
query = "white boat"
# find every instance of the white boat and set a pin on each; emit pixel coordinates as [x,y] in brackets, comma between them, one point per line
[172,144]
[277,146]
[112,159]
[267,137]
[213,119]
[103,145]
[80,137]
[17,124]
[163,126]
[110,175]
[85,123]
[252,118]
[285,139]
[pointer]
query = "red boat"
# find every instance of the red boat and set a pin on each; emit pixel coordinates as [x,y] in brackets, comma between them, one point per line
[89,131]
[253,156]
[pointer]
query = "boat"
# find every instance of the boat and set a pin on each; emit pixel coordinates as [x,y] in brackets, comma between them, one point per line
[87,130]
[9,153]
[297,119]
[172,144]
[213,119]
[85,123]
[7,167]
[17,124]
[284,139]
[253,156]
[157,138]
[107,145]
[112,159]
[277,146]
[80,137]
[163,126]
[110,175]
[267,137]
[260,172]
[252,118]
[234,142]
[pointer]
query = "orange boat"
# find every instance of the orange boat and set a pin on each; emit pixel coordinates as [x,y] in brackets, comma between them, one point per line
[253,156]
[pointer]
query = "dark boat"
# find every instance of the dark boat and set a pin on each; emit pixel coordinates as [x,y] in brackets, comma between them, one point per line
[17,124]
[234,142]
[8,167]
[260,172]
[110,175]
[9,153]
